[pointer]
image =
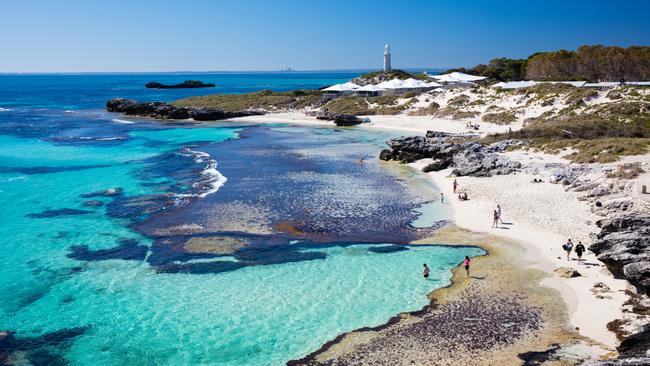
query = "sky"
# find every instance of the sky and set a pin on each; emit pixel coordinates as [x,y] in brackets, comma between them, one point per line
[204,35]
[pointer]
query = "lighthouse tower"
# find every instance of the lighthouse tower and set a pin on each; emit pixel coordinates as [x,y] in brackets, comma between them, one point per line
[387,58]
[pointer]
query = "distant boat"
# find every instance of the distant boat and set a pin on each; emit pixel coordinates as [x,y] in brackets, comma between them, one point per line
[288,69]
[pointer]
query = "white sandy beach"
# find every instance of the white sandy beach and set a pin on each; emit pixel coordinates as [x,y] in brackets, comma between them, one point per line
[400,122]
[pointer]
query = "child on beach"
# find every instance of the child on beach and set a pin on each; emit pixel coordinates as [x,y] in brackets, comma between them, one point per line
[579,250]
[568,247]
[425,271]
[466,263]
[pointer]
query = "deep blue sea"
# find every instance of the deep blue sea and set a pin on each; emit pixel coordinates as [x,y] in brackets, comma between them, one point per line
[129,242]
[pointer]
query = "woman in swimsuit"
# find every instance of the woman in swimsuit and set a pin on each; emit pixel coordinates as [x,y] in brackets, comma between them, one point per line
[466,263]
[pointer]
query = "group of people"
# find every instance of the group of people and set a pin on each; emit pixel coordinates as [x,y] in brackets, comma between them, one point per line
[469,124]
[568,248]
[466,262]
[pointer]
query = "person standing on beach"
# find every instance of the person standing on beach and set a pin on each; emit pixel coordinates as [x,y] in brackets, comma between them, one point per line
[495,219]
[455,185]
[442,198]
[466,263]
[579,250]
[499,213]
[425,272]
[568,247]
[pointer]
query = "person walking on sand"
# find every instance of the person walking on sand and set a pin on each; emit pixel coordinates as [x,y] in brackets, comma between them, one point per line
[568,247]
[466,264]
[495,219]
[579,250]
[425,272]
[499,213]
[455,185]
[442,198]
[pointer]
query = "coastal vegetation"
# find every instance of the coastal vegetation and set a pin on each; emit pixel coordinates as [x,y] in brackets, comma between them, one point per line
[387,105]
[376,77]
[265,99]
[592,63]
[598,133]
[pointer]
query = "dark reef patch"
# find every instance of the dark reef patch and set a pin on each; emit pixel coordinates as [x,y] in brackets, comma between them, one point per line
[57,213]
[388,249]
[128,249]
[48,169]
[46,349]
[110,192]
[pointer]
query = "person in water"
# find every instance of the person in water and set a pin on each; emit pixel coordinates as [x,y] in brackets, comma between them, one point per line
[579,250]
[466,262]
[568,247]
[425,272]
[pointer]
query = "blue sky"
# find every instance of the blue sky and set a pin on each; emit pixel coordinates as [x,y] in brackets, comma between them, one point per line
[174,35]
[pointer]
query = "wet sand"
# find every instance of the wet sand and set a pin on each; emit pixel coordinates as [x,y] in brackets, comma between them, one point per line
[499,315]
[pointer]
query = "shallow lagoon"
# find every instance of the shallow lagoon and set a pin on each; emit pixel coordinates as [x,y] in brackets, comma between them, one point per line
[282,297]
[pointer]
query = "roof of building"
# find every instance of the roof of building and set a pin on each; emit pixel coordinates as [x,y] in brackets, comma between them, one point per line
[343,87]
[458,77]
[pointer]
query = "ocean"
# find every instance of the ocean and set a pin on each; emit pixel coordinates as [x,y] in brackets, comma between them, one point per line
[127,241]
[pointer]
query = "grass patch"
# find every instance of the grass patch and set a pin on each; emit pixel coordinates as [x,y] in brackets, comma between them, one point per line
[265,99]
[387,104]
[429,110]
[602,150]
[500,118]
[600,133]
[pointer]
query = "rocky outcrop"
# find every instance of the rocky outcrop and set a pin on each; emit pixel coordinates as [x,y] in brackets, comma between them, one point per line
[187,84]
[340,119]
[466,159]
[623,244]
[160,110]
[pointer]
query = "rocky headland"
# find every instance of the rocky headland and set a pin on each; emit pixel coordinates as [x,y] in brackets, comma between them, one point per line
[164,111]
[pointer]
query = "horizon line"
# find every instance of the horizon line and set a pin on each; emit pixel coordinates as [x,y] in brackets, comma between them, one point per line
[290,71]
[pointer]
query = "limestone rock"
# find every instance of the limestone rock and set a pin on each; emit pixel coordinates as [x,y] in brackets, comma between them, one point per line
[567,272]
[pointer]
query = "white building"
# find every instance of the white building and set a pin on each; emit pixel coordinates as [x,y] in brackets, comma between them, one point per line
[387,58]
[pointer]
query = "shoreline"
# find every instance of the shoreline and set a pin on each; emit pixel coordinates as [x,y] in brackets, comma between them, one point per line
[542,245]
[542,323]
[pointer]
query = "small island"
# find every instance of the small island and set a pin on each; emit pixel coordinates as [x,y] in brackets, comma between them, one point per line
[187,84]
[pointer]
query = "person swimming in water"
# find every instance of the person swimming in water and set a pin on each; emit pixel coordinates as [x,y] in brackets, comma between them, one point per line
[466,262]
[425,272]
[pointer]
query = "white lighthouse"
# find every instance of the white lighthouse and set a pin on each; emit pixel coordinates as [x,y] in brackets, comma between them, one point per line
[387,58]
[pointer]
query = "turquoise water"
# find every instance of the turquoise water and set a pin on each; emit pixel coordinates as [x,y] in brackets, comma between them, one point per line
[280,297]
